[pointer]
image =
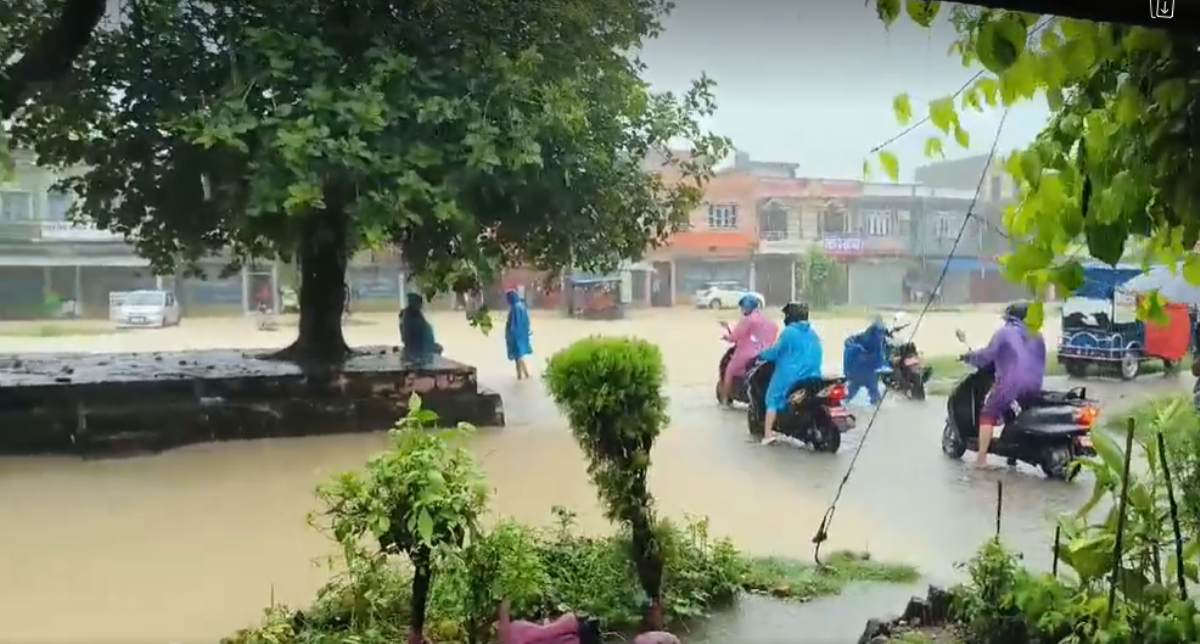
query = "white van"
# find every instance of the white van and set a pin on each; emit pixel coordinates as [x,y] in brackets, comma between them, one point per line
[140,309]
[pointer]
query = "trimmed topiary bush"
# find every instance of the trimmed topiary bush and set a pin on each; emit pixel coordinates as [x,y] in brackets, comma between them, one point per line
[611,390]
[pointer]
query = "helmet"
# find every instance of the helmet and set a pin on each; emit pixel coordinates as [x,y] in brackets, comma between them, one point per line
[1017,311]
[900,318]
[749,302]
[795,312]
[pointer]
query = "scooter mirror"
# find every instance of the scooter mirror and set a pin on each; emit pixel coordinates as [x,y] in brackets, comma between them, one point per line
[962,337]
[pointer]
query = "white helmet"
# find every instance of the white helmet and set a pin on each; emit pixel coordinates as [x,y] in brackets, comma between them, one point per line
[899,319]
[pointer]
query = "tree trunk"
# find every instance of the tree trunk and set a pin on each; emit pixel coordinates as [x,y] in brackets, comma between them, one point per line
[322,264]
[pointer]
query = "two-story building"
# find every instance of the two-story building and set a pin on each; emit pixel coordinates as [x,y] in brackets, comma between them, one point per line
[972,269]
[720,241]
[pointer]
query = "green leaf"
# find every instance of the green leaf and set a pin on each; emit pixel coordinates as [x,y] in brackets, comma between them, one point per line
[890,165]
[922,12]
[888,11]
[933,148]
[961,136]
[1036,316]
[1090,557]
[1106,241]
[902,106]
[425,527]
[942,114]
[1055,99]
[1191,268]
[1001,41]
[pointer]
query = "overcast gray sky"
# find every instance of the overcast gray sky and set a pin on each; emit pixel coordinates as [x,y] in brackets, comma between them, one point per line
[812,82]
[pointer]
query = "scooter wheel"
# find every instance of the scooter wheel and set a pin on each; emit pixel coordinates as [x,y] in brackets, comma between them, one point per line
[754,420]
[829,439]
[1058,463]
[952,444]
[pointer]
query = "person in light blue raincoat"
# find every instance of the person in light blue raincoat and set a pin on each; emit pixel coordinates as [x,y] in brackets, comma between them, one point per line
[862,358]
[517,333]
[797,355]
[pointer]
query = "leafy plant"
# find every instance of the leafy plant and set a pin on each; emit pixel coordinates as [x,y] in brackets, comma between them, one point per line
[611,391]
[821,277]
[1122,583]
[1105,170]
[417,498]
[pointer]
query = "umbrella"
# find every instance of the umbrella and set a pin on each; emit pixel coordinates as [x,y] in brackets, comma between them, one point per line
[1172,287]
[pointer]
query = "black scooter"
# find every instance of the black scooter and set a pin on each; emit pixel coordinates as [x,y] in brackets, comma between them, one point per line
[815,413]
[1050,431]
[739,385]
[908,376]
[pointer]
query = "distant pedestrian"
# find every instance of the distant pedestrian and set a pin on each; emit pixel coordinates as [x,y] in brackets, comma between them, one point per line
[517,333]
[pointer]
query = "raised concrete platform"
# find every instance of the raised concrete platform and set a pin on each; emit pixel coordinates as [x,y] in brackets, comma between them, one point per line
[122,404]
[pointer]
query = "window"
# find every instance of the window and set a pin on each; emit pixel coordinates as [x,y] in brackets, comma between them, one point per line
[903,223]
[946,225]
[833,220]
[16,206]
[723,216]
[58,203]
[876,223]
[773,222]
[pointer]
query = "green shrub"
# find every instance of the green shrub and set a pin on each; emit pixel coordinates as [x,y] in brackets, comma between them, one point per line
[611,392]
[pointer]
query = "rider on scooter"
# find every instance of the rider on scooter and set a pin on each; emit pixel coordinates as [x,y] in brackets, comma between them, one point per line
[797,356]
[1019,357]
[750,337]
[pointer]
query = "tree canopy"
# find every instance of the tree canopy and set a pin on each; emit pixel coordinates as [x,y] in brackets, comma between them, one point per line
[468,135]
[1115,160]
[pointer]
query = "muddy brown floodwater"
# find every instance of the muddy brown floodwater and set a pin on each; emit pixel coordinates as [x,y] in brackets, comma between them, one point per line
[192,544]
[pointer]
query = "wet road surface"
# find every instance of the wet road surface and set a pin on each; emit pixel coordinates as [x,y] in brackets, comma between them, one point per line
[190,545]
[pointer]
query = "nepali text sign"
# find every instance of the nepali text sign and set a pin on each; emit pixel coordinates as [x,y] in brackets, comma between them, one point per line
[843,245]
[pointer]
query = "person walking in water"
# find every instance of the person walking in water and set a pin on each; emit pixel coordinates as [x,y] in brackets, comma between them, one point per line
[517,333]
[862,358]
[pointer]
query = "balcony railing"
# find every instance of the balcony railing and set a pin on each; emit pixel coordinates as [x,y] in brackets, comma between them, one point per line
[773,235]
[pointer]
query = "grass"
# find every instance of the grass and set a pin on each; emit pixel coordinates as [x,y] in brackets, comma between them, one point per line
[52,330]
[948,369]
[796,581]
[1144,413]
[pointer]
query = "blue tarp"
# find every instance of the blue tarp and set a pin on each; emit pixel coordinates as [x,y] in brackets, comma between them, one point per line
[1100,280]
[966,264]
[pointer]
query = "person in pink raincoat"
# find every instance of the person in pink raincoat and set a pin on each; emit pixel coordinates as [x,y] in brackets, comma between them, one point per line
[750,337]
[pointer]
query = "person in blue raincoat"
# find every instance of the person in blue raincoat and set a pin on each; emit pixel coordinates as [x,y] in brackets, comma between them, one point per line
[862,359]
[797,355]
[416,333]
[517,333]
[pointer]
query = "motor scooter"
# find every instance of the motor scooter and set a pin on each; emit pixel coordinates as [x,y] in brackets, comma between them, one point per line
[907,376]
[1051,430]
[739,384]
[816,414]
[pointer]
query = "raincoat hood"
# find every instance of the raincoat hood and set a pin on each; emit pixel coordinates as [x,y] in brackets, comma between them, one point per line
[512,296]
[414,301]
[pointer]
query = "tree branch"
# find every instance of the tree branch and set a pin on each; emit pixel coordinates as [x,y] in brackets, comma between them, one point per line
[1186,19]
[50,58]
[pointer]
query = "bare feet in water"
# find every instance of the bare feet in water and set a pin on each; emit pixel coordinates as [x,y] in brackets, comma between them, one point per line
[768,440]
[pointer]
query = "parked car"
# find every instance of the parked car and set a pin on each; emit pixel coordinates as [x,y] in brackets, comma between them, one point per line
[722,295]
[133,309]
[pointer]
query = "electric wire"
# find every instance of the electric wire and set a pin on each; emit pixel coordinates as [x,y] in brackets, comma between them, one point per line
[827,520]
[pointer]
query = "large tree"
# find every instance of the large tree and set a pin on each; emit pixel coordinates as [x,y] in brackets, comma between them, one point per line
[1117,159]
[469,135]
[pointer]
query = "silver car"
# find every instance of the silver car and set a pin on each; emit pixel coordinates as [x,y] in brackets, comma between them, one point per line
[722,295]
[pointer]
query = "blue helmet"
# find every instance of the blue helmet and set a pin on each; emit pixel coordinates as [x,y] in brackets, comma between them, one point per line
[749,303]
[1017,311]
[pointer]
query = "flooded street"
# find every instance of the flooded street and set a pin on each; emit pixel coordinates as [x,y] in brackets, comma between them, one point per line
[192,544]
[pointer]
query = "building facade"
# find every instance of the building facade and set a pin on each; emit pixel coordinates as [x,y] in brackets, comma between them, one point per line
[972,269]
[46,258]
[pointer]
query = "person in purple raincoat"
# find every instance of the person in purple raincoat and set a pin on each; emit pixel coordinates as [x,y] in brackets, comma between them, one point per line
[1019,358]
